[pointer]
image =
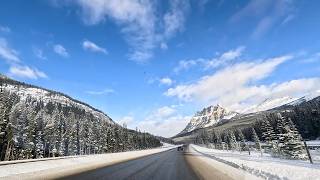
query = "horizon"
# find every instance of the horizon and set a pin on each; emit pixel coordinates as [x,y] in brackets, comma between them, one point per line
[154,64]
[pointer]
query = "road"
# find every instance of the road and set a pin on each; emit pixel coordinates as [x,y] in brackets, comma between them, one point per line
[166,165]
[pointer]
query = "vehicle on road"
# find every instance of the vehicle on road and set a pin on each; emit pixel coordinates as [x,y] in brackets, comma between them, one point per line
[180,148]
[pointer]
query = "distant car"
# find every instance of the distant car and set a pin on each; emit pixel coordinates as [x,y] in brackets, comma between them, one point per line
[180,148]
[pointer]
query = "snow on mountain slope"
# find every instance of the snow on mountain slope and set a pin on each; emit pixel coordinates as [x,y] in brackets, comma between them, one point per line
[46,96]
[305,98]
[213,114]
[269,104]
[208,117]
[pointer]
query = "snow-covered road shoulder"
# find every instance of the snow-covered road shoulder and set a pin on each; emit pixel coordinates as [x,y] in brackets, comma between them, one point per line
[211,168]
[54,168]
[266,167]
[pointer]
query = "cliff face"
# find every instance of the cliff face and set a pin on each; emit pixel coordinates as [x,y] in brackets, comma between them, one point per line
[207,117]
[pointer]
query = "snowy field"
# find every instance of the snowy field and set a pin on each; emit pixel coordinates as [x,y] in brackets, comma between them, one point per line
[266,166]
[44,169]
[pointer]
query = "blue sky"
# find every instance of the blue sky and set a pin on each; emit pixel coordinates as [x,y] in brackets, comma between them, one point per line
[152,64]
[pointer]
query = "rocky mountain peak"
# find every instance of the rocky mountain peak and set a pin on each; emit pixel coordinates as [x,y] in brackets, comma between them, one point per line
[207,117]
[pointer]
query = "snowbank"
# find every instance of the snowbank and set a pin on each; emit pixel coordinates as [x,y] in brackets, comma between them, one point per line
[266,166]
[212,168]
[53,168]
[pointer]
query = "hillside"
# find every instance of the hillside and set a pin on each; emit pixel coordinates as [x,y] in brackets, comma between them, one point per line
[36,122]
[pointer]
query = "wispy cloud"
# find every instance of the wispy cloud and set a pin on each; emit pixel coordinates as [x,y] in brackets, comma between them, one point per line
[5,29]
[90,46]
[39,53]
[237,86]
[306,58]
[103,92]
[7,53]
[174,19]
[143,26]
[60,50]
[164,46]
[26,72]
[17,68]
[289,18]
[208,63]
[266,14]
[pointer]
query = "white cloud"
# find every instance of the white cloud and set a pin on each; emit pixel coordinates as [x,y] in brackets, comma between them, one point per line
[105,91]
[162,112]
[7,53]
[224,58]
[127,120]
[265,14]
[166,127]
[26,72]
[175,17]
[90,46]
[163,121]
[143,26]
[234,86]
[16,66]
[59,49]
[186,64]
[208,63]
[166,81]
[38,53]
[5,29]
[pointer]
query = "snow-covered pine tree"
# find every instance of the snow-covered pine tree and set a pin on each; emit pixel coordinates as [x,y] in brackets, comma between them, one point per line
[269,135]
[256,139]
[225,143]
[290,141]
[218,142]
[232,140]
[243,145]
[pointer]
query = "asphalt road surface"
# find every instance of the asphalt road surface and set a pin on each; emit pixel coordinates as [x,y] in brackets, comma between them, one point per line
[168,165]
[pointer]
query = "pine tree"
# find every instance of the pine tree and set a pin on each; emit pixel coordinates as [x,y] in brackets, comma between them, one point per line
[290,141]
[232,140]
[219,144]
[256,140]
[268,133]
[269,136]
[243,145]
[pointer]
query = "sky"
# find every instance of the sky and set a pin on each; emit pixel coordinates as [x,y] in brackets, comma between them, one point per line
[153,63]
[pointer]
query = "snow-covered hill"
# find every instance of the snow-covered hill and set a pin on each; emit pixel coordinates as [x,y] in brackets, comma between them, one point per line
[207,117]
[47,96]
[37,122]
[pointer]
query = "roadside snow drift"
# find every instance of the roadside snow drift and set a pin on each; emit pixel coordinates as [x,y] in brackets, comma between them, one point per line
[266,167]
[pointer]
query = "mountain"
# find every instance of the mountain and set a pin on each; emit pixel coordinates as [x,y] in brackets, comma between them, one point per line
[36,122]
[269,103]
[303,111]
[207,117]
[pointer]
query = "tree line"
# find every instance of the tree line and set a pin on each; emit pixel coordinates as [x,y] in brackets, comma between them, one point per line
[31,128]
[279,135]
